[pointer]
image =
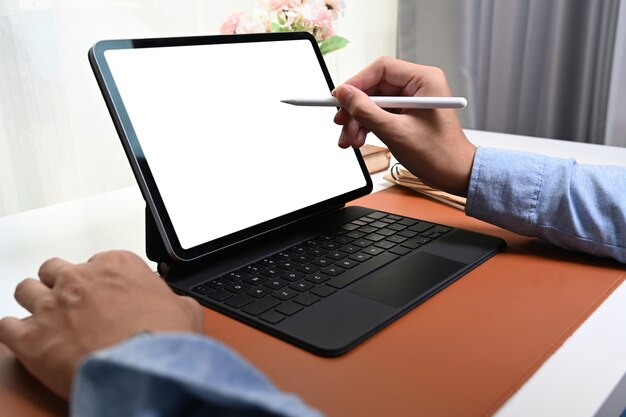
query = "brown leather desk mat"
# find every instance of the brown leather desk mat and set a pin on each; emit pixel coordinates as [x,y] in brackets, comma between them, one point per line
[463,352]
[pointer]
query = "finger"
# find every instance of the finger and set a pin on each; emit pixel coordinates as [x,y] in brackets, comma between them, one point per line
[384,71]
[50,270]
[363,109]
[360,137]
[28,292]
[342,117]
[348,134]
[388,76]
[12,331]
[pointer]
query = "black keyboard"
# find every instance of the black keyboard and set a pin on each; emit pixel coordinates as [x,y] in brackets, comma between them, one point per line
[282,284]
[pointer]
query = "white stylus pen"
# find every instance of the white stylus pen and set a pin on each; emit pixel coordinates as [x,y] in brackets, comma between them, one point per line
[389,102]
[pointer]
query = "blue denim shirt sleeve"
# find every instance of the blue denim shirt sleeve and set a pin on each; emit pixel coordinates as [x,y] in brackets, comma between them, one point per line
[575,206]
[176,374]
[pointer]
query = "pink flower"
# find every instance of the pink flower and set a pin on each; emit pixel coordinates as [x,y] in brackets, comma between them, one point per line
[320,17]
[336,6]
[231,22]
[242,23]
[283,4]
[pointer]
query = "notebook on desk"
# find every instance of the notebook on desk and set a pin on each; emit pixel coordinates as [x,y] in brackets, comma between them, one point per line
[247,193]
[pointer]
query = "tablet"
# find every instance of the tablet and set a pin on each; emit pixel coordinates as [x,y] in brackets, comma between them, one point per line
[219,159]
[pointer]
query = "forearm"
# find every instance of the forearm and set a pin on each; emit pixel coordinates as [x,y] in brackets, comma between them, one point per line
[577,207]
[176,374]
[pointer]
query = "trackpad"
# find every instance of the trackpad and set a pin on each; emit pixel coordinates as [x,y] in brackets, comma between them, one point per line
[413,277]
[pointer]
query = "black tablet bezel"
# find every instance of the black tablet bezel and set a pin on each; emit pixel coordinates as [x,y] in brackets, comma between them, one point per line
[140,165]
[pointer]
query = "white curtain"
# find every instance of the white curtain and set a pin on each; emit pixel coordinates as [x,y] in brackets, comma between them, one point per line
[57,141]
[532,67]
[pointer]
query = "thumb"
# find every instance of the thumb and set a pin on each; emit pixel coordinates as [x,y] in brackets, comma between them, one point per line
[362,108]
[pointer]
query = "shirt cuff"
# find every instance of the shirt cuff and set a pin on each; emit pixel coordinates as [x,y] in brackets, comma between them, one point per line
[504,188]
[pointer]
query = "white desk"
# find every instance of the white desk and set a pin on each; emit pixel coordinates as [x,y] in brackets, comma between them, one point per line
[581,379]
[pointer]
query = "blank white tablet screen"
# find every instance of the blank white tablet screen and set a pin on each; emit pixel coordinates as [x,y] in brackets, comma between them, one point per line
[225,153]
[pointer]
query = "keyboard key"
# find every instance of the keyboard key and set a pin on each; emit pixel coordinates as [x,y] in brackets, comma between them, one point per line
[344,240]
[282,255]
[386,232]
[377,215]
[360,270]
[237,287]
[400,250]
[292,276]
[268,261]
[317,252]
[239,300]
[365,230]
[252,268]
[306,299]
[298,249]
[350,249]
[358,222]
[378,224]
[360,257]
[420,227]
[235,275]
[284,294]
[336,255]
[421,240]
[217,283]
[397,227]
[332,270]
[358,234]
[366,219]
[302,286]
[396,239]
[259,291]
[407,222]
[275,283]
[254,279]
[411,244]
[323,262]
[394,217]
[374,237]
[311,243]
[272,272]
[220,295]
[407,233]
[272,317]
[387,220]
[385,244]
[317,278]
[202,290]
[350,226]
[289,308]
[302,258]
[373,250]
[330,245]
[442,229]
[326,237]
[308,268]
[347,263]
[286,265]
[323,290]
[260,306]
[362,243]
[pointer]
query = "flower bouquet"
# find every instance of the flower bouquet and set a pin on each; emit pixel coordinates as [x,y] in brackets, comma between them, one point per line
[313,16]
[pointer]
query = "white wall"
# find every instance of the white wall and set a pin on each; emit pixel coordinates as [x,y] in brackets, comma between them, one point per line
[57,141]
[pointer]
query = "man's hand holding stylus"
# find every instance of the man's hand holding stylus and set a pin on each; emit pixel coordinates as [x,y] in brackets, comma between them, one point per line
[429,143]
